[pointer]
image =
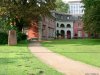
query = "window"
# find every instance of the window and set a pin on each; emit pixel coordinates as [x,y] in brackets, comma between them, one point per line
[44,26]
[57,24]
[62,25]
[61,17]
[57,31]
[68,17]
[68,26]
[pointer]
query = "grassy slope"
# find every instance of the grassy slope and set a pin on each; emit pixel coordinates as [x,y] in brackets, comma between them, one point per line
[17,60]
[86,50]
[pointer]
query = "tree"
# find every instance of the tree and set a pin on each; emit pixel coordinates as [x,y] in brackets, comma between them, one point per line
[27,9]
[91,17]
[61,6]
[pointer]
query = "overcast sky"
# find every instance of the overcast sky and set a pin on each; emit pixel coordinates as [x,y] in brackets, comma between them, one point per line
[69,0]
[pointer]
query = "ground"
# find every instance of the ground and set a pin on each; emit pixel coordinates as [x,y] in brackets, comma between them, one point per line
[84,50]
[66,56]
[61,63]
[17,60]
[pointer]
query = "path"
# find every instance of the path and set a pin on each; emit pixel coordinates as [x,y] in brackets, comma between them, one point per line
[61,63]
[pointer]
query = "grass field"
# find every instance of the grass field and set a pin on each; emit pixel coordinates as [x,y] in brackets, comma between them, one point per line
[17,60]
[84,50]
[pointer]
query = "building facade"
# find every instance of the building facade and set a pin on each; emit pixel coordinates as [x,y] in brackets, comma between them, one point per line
[48,27]
[77,10]
[64,25]
[78,30]
[60,25]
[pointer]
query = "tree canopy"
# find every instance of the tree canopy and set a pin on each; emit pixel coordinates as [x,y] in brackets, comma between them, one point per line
[91,17]
[61,6]
[26,9]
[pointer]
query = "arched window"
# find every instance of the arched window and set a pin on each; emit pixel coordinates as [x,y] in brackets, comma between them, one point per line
[68,34]
[57,31]
[62,25]
[62,32]
[57,24]
[68,26]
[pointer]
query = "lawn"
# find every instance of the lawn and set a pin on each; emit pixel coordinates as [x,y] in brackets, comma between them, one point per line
[17,60]
[84,50]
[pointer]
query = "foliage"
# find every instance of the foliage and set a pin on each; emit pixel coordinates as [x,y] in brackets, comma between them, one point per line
[3,38]
[25,11]
[91,17]
[19,23]
[61,6]
[4,24]
[21,36]
[27,8]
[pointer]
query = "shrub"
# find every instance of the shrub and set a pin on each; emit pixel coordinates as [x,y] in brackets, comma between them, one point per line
[21,36]
[3,38]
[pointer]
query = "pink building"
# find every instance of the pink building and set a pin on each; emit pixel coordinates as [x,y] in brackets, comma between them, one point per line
[78,29]
[48,29]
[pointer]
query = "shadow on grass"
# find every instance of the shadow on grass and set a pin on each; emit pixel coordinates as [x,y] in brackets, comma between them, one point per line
[20,44]
[13,60]
[76,42]
[7,60]
[50,43]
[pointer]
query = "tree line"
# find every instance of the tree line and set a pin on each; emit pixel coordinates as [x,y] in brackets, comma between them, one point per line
[91,17]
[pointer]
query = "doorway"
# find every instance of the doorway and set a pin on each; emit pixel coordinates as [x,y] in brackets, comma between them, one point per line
[68,34]
[62,34]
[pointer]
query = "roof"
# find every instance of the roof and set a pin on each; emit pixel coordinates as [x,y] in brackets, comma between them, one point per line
[62,13]
[65,16]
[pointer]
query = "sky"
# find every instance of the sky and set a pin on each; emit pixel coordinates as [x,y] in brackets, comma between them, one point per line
[69,0]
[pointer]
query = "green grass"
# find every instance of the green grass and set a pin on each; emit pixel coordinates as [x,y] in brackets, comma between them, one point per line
[84,50]
[17,60]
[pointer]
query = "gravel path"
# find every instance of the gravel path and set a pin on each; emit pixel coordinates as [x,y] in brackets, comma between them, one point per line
[62,64]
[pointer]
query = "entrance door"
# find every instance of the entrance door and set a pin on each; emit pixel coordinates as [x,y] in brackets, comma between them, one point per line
[68,34]
[62,34]
[79,34]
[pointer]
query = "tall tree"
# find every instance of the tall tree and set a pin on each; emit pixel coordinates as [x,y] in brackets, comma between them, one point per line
[27,9]
[91,16]
[61,6]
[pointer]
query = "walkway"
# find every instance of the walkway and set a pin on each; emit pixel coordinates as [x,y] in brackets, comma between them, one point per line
[61,63]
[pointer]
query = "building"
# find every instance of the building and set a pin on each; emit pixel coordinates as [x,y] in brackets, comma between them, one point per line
[75,8]
[78,28]
[64,25]
[59,25]
[69,26]
[47,28]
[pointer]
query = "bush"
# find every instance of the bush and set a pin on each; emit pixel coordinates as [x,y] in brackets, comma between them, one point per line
[3,38]
[21,36]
